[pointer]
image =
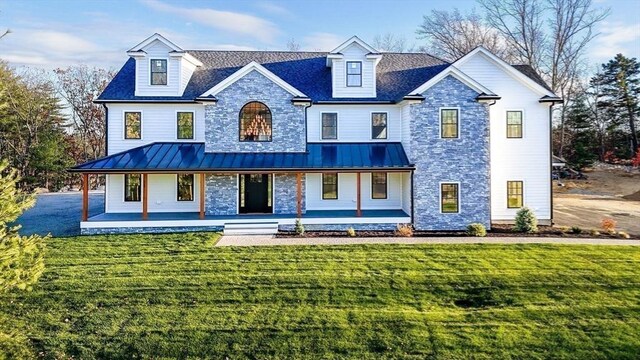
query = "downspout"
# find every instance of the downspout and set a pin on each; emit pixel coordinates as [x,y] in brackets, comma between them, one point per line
[489,155]
[306,127]
[106,149]
[551,164]
[412,200]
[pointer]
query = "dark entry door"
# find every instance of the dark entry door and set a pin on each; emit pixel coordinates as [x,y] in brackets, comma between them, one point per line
[255,193]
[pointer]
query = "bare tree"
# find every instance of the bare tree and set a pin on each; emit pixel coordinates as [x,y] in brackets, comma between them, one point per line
[293,45]
[451,35]
[391,43]
[5,33]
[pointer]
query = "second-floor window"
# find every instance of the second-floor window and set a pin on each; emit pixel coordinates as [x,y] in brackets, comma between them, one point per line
[514,124]
[449,123]
[329,126]
[185,187]
[354,73]
[158,72]
[133,125]
[379,125]
[255,122]
[132,187]
[185,125]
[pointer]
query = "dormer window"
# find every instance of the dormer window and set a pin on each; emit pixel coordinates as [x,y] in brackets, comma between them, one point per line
[354,73]
[158,72]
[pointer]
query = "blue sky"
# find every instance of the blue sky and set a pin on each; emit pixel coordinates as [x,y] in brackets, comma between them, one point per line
[60,33]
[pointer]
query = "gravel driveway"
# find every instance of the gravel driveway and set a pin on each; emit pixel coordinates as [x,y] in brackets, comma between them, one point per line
[59,213]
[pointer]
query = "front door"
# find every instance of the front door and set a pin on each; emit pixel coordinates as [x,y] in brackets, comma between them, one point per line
[255,193]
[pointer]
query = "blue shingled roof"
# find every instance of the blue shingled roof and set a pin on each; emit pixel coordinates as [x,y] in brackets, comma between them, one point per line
[180,157]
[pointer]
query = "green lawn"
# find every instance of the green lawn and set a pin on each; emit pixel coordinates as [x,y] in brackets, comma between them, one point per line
[177,296]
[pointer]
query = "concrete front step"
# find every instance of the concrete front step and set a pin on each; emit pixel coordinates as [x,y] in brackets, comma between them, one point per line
[255,228]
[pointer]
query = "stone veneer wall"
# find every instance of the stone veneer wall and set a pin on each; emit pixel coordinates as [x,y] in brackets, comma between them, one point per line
[464,160]
[285,194]
[221,195]
[222,119]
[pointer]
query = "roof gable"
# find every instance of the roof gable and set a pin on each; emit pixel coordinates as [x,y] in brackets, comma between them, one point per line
[155,37]
[354,40]
[458,74]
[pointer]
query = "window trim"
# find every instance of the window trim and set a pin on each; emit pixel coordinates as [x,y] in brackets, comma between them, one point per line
[322,126]
[337,185]
[459,196]
[371,124]
[194,124]
[240,123]
[522,195]
[193,187]
[346,73]
[457,108]
[506,123]
[386,192]
[124,188]
[124,124]
[150,73]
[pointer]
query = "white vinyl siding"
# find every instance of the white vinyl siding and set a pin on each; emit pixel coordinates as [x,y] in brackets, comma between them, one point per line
[354,122]
[406,193]
[179,72]
[158,124]
[405,130]
[339,74]
[163,195]
[526,159]
[347,193]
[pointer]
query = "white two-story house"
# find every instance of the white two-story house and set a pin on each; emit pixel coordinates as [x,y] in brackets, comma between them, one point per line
[253,140]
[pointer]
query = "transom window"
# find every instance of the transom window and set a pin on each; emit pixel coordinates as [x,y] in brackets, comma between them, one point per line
[378,185]
[132,187]
[158,72]
[449,123]
[185,125]
[255,122]
[514,124]
[379,125]
[329,186]
[354,73]
[132,125]
[449,199]
[514,194]
[329,126]
[185,187]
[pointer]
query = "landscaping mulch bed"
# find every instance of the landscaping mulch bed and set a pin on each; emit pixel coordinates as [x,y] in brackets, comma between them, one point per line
[497,230]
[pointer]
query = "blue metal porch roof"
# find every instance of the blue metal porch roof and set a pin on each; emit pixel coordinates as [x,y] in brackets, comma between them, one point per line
[191,157]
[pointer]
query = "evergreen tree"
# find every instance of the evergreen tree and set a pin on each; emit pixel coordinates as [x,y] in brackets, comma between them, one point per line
[578,120]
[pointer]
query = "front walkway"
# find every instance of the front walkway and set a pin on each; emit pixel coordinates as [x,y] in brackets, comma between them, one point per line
[269,240]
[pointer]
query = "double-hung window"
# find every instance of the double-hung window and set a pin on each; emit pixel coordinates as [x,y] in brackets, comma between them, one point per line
[449,198]
[133,125]
[185,187]
[379,125]
[354,73]
[514,194]
[185,125]
[132,187]
[449,123]
[158,72]
[329,186]
[329,126]
[514,124]
[378,185]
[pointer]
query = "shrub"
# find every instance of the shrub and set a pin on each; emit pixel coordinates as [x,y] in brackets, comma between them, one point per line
[476,229]
[609,225]
[526,221]
[594,232]
[299,228]
[563,229]
[624,235]
[351,232]
[576,230]
[404,230]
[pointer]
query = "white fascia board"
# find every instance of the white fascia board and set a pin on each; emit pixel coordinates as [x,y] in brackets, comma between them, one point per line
[506,67]
[153,38]
[186,56]
[455,72]
[357,40]
[330,58]
[252,66]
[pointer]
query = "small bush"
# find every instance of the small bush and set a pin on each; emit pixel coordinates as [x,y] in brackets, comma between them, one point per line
[608,225]
[594,232]
[563,229]
[576,230]
[404,230]
[624,235]
[526,221]
[351,232]
[476,229]
[299,228]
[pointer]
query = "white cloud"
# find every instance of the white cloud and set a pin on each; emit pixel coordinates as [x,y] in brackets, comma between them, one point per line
[273,8]
[234,22]
[321,41]
[617,38]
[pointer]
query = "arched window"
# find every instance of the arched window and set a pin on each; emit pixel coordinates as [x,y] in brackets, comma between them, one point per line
[255,122]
